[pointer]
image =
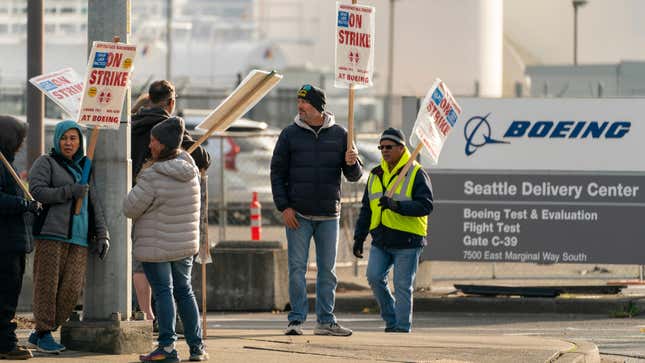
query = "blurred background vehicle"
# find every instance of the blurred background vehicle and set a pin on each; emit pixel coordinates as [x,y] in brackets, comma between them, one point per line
[241,158]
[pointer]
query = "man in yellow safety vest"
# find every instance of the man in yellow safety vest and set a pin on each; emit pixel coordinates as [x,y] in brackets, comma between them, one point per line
[398,227]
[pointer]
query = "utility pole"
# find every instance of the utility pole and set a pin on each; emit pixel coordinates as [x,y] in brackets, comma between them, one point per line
[108,289]
[576,5]
[390,68]
[35,98]
[169,39]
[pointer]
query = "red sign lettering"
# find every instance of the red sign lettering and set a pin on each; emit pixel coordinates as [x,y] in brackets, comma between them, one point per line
[355,20]
[114,59]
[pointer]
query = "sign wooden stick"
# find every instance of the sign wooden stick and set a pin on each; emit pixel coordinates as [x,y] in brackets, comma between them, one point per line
[350,118]
[225,121]
[88,164]
[350,112]
[204,322]
[204,249]
[16,177]
[399,178]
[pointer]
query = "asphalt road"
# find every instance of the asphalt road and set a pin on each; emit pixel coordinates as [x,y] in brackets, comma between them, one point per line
[619,340]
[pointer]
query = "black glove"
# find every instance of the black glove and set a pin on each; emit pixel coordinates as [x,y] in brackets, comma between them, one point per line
[388,203]
[35,207]
[101,247]
[358,249]
[79,190]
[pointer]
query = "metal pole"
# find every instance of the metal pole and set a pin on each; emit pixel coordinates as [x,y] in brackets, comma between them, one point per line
[222,207]
[390,67]
[35,98]
[108,288]
[169,39]
[576,4]
[575,34]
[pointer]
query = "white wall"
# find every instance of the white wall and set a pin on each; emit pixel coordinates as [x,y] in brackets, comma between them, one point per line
[458,41]
[608,30]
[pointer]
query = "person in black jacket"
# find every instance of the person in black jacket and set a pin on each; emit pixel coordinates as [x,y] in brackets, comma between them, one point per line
[16,238]
[306,168]
[398,225]
[162,100]
[160,104]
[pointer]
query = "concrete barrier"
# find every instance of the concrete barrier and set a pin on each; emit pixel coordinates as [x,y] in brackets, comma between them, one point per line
[245,276]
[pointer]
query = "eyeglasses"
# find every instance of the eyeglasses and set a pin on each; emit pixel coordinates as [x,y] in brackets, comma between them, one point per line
[387,147]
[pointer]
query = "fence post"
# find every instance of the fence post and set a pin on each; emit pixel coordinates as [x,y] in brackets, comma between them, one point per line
[222,207]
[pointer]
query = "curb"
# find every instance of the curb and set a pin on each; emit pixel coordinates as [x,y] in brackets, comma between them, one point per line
[584,352]
[473,304]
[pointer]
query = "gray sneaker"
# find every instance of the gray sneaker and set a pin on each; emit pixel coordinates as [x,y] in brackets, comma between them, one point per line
[294,328]
[334,329]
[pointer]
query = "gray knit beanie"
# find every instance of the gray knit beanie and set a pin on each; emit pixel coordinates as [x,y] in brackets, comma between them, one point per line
[169,132]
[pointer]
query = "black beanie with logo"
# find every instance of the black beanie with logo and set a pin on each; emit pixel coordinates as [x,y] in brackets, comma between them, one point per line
[314,95]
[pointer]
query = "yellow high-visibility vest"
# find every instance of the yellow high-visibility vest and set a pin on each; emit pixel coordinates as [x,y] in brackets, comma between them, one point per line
[378,187]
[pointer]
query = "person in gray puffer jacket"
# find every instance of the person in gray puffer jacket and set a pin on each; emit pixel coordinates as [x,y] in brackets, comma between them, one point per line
[164,206]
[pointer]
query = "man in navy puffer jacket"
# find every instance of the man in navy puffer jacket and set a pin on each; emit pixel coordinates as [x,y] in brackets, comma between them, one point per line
[306,171]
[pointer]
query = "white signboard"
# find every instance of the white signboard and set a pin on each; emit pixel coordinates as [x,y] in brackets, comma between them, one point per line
[250,91]
[547,134]
[106,83]
[437,116]
[541,181]
[354,45]
[64,87]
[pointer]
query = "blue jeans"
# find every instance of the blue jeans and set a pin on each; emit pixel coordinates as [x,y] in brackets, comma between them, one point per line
[166,279]
[325,234]
[396,310]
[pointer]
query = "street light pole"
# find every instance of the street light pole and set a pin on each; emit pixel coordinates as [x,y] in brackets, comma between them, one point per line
[576,5]
[35,98]
[390,66]
[169,16]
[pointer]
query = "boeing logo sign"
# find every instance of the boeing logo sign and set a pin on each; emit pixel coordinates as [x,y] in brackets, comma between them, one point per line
[477,131]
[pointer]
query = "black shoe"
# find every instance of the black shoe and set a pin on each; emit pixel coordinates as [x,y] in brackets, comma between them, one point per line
[395,330]
[17,353]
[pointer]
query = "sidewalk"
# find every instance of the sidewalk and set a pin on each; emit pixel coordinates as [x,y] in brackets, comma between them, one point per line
[268,345]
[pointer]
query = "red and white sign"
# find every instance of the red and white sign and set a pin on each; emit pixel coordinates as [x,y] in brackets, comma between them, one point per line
[354,45]
[106,82]
[437,116]
[64,87]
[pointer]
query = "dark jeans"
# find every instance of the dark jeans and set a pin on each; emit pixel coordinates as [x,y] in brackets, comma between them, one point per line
[12,267]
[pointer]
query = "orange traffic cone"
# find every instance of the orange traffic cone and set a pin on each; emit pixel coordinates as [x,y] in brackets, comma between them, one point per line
[256,218]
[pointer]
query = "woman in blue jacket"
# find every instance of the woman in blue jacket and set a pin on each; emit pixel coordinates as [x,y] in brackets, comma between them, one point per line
[62,237]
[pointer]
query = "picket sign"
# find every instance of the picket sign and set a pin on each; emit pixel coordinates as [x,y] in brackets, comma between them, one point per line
[64,87]
[16,177]
[250,91]
[354,54]
[437,116]
[108,76]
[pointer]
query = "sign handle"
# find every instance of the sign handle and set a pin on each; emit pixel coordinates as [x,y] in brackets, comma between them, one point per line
[405,169]
[204,252]
[204,322]
[350,112]
[247,100]
[16,177]
[87,167]
[350,118]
